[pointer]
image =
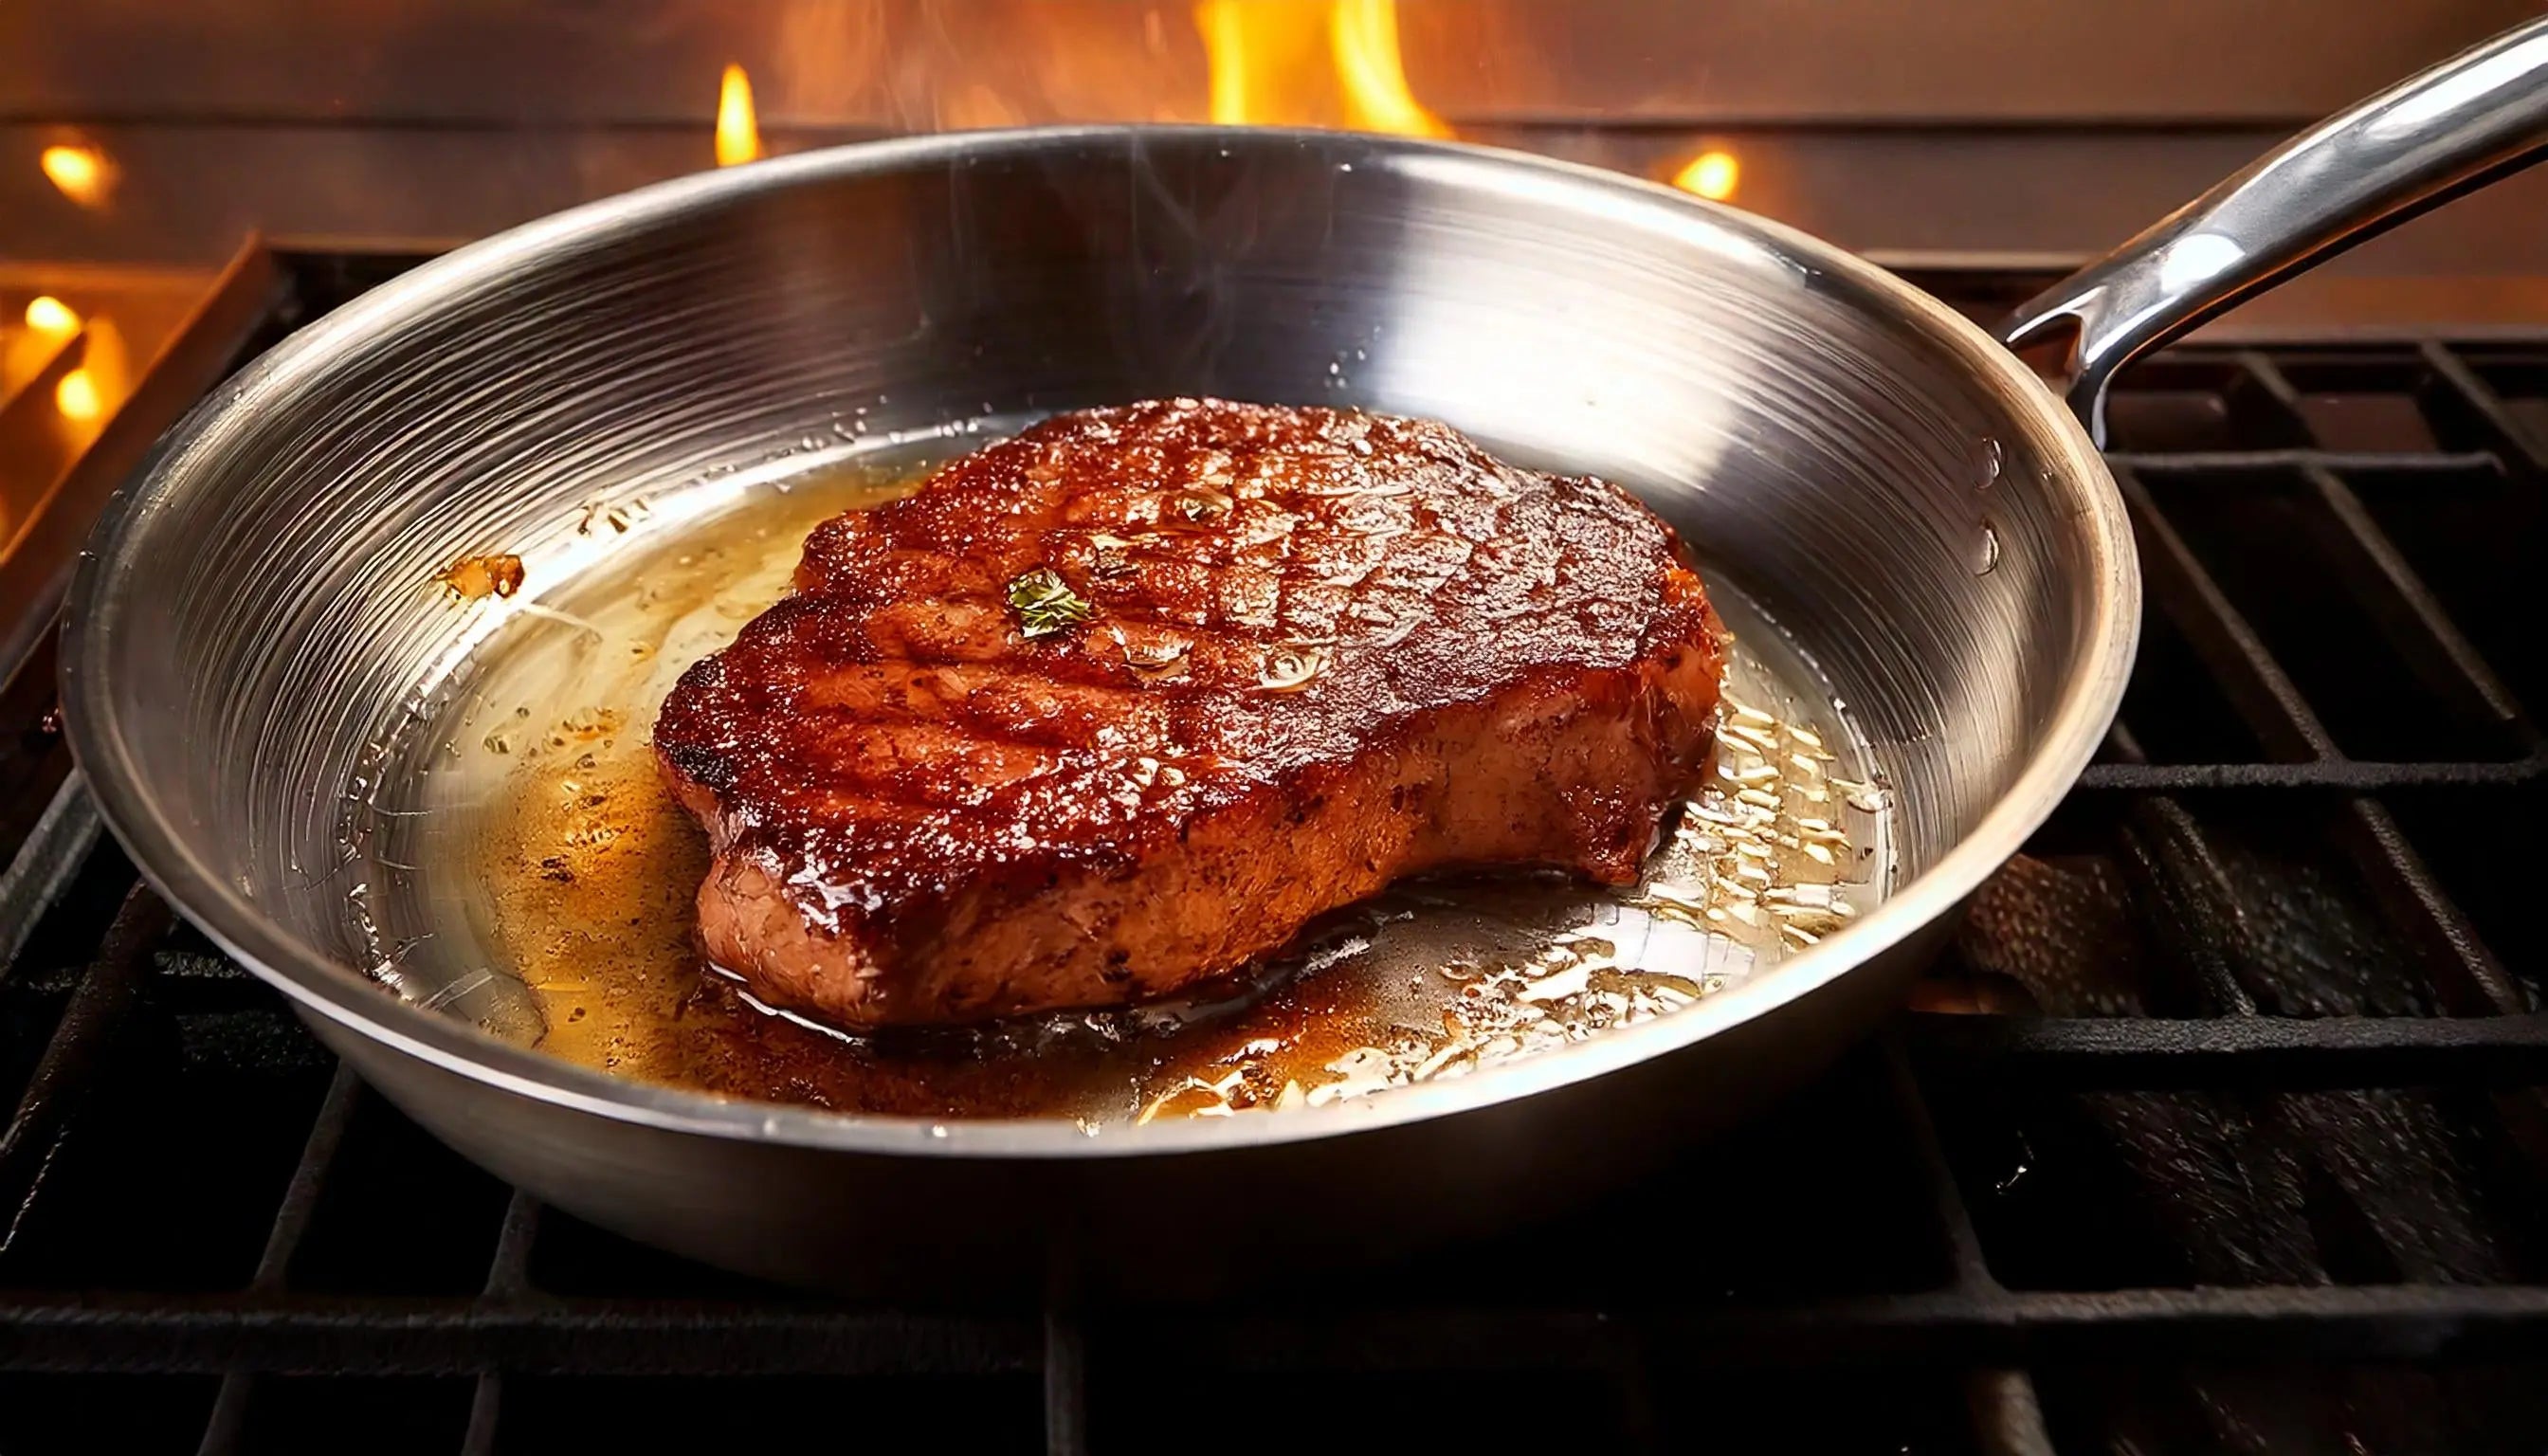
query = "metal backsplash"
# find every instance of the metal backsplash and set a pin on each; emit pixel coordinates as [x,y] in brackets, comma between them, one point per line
[906,64]
[2047,127]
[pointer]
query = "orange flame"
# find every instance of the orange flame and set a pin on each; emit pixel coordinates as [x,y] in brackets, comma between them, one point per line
[1266,67]
[1364,37]
[49,314]
[738,127]
[76,396]
[102,379]
[1223,23]
[1711,174]
[80,173]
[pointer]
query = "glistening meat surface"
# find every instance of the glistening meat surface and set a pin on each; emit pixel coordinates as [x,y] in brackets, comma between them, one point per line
[1121,703]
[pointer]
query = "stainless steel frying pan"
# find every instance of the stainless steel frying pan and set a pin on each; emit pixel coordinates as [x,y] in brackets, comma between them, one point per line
[1890,486]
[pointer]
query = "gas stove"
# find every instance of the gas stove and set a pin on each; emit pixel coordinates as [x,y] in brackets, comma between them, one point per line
[2220,1130]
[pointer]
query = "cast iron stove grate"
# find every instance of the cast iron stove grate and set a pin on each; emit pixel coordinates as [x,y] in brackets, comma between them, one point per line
[2221,1129]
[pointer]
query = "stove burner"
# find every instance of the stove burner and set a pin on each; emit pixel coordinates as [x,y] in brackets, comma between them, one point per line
[2245,1154]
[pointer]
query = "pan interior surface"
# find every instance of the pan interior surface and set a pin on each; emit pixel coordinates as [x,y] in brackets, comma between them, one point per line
[522,865]
[272,628]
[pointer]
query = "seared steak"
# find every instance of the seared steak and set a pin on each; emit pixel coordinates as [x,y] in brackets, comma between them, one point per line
[1119,703]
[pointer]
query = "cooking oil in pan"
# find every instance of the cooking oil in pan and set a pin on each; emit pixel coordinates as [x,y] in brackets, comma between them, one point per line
[581,871]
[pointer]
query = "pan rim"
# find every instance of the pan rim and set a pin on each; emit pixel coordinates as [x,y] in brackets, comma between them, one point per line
[322,987]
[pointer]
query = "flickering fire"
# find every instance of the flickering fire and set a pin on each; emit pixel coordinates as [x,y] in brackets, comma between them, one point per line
[49,314]
[1224,28]
[99,382]
[1364,35]
[76,396]
[81,173]
[738,127]
[1711,174]
[1310,62]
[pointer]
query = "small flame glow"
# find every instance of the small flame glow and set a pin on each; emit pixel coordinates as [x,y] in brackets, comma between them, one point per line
[1266,65]
[81,173]
[49,314]
[102,380]
[738,127]
[1711,174]
[76,396]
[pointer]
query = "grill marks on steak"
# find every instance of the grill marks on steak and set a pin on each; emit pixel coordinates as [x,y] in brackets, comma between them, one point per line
[1329,650]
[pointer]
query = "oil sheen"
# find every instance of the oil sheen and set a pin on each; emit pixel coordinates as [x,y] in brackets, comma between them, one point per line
[578,873]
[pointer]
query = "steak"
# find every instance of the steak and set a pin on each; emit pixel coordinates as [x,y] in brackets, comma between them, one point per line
[1119,704]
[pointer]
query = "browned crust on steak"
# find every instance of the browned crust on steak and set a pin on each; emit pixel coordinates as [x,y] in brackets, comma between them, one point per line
[921,814]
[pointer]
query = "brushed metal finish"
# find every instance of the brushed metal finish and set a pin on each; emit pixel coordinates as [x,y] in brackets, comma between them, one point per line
[2417,144]
[1915,509]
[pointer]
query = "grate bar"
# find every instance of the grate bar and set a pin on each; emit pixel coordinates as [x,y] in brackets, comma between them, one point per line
[508,1279]
[2008,1416]
[2423,636]
[1938,1328]
[223,1427]
[2457,951]
[2481,398]
[285,1334]
[309,1178]
[2194,462]
[2275,710]
[1066,1383]
[509,1271]
[2256,685]
[46,864]
[2469,676]
[2286,1052]
[1946,1198]
[2423,624]
[485,1403]
[2352,776]
[1947,1328]
[2173,867]
[77,1052]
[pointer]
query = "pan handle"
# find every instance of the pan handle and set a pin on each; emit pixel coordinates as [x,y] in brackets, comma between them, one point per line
[2417,144]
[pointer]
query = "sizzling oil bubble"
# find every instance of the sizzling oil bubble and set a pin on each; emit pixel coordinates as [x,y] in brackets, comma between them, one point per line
[1990,459]
[583,871]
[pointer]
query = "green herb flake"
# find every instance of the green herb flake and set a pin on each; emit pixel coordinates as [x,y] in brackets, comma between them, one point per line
[1046,605]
